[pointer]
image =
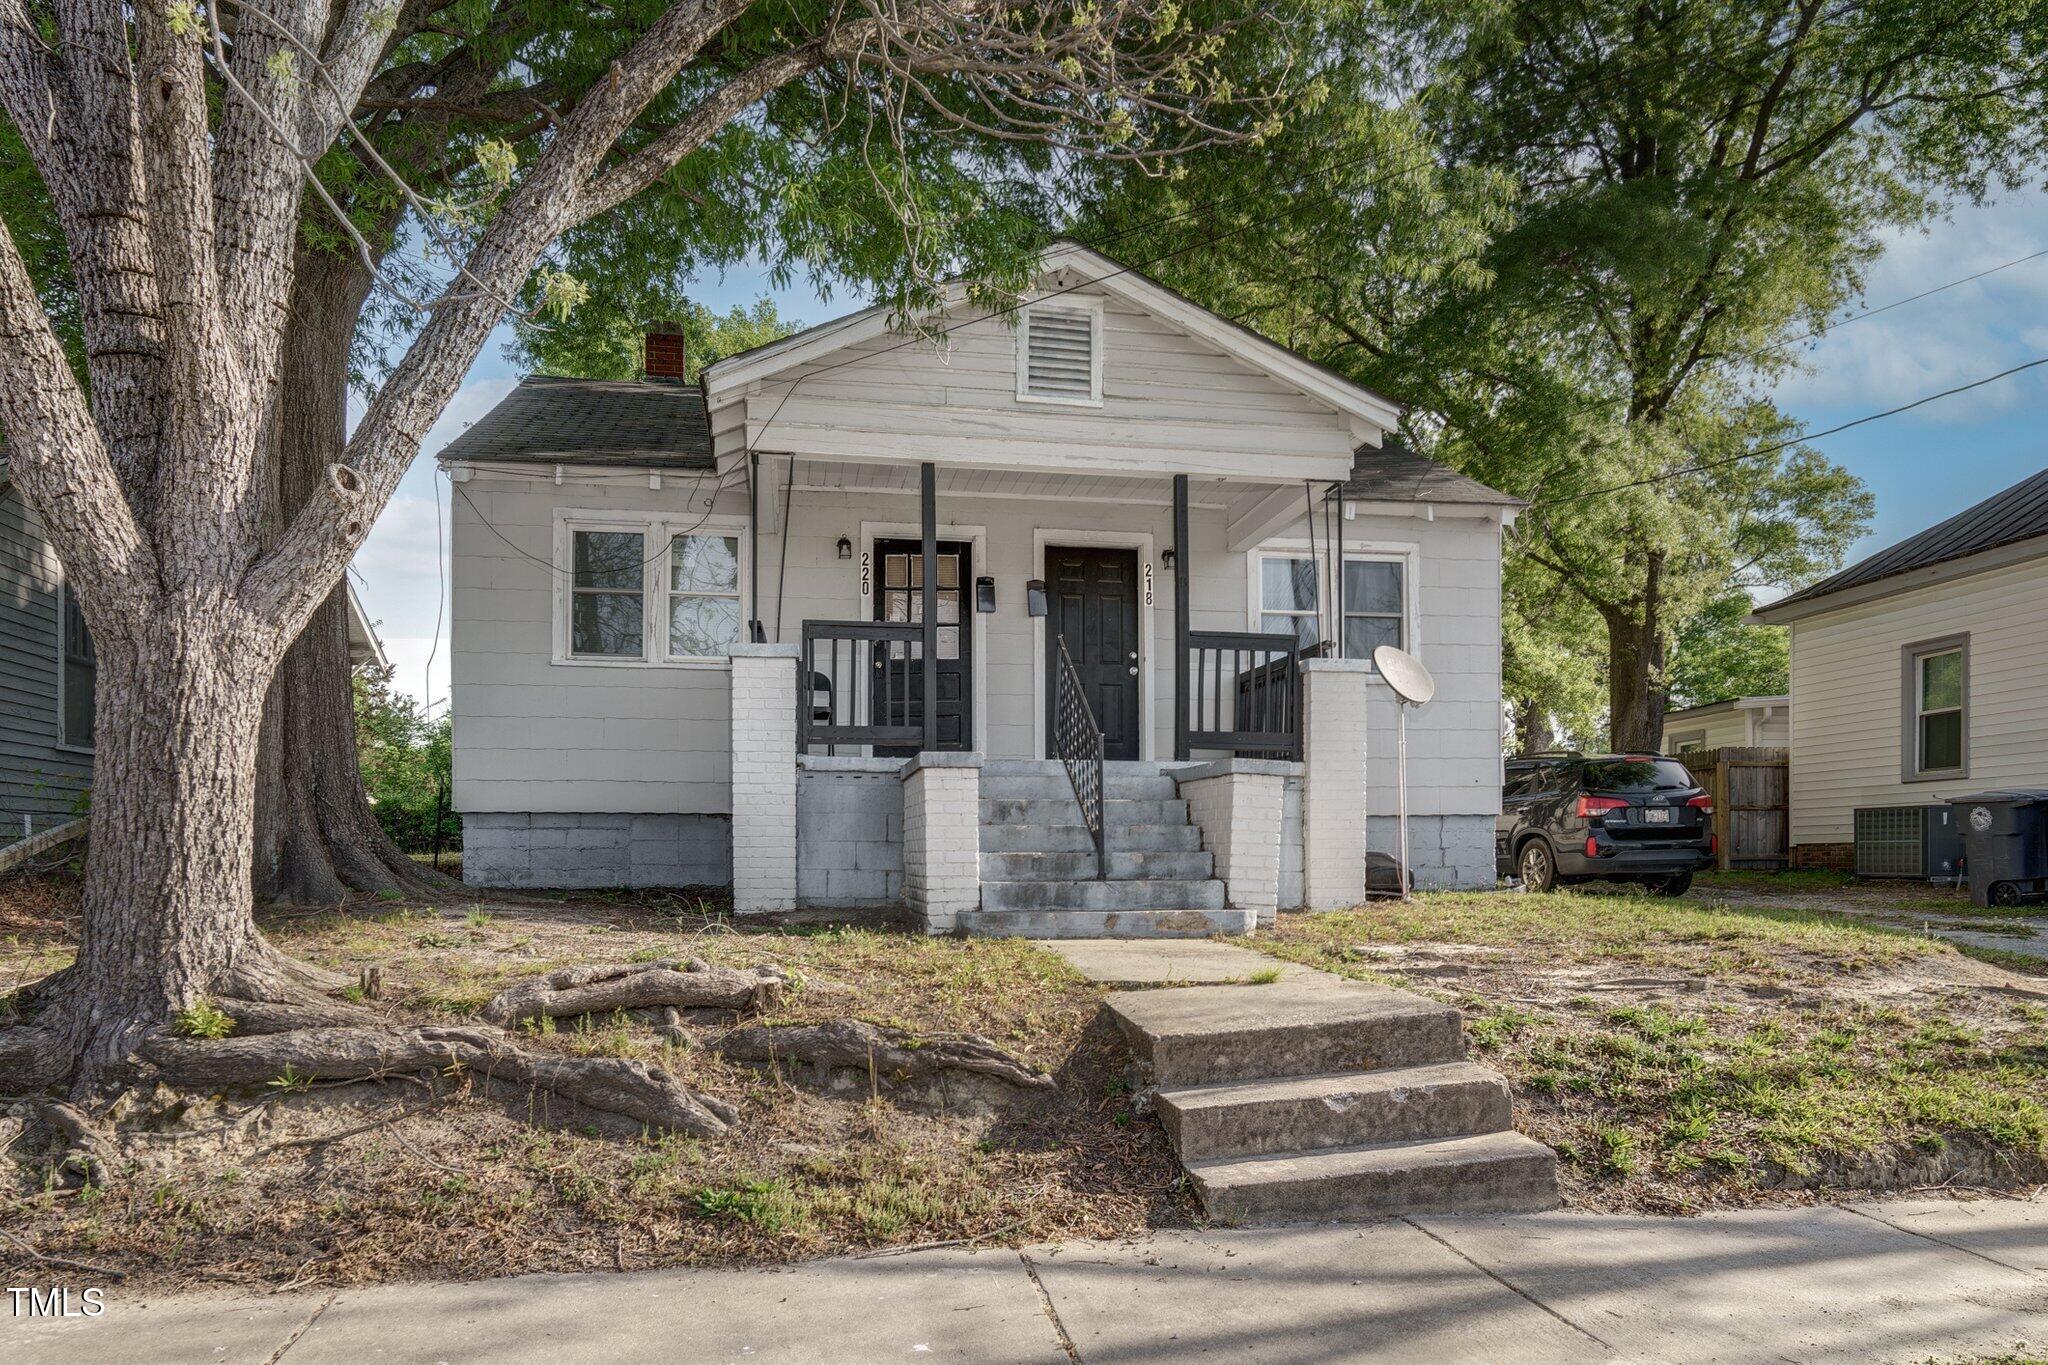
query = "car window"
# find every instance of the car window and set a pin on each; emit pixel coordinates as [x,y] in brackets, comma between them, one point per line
[1637,775]
[1521,780]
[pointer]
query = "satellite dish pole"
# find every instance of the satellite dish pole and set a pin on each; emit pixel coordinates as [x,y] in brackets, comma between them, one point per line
[1412,686]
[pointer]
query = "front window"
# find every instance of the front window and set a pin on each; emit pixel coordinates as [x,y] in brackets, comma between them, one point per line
[77,675]
[703,596]
[1375,601]
[607,617]
[1938,711]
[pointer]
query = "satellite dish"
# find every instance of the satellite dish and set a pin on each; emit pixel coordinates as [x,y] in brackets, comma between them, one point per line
[1405,674]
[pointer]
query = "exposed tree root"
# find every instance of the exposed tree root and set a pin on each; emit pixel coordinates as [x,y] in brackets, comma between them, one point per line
[256,1017]
[610,987]
[33,1059]
[611,1085]
[890,1053]
[89,1155]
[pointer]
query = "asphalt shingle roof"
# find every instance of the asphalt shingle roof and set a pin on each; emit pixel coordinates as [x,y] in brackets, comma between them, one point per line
[2018,513]
[1394,473]
[592,422]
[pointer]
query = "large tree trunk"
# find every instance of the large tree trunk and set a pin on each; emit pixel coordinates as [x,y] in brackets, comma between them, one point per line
[1635,669]
[317,842]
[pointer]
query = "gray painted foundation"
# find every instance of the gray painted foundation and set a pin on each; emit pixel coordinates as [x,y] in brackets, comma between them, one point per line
[1449,852]
[584,851]
[849,832]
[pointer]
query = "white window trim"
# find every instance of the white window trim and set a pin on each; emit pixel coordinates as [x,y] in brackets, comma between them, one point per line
[1091,305]
[1912,767]
[1676,744]
[64,741]
[654,529]
[1406,554]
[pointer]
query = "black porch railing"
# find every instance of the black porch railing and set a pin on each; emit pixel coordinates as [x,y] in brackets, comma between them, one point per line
[1244,692]
[1077,743]
[860,683]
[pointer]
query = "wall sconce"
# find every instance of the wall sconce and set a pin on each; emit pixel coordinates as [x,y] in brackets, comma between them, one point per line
[1167,556]
[845,548]
[984,594]
[1034,597]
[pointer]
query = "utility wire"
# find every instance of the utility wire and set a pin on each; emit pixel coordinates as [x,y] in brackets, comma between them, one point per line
[1776,446]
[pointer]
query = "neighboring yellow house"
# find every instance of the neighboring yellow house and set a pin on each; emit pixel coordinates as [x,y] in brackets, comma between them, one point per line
[1919,671]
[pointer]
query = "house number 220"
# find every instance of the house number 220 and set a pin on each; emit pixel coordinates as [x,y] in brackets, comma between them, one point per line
[866,573]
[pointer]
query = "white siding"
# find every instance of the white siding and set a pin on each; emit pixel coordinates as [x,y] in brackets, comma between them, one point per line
[1720,730]
[1170,402]
[37,778]
[532,735]
[1846,684]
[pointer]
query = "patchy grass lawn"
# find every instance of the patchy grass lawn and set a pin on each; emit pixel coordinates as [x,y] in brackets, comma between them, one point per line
[463,1188]
[1688,1054]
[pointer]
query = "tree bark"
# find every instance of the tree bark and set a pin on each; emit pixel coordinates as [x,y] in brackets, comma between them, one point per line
[317,840]
[1635,669]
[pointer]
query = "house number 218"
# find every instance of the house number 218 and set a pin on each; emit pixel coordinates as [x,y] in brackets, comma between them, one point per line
[1148,585]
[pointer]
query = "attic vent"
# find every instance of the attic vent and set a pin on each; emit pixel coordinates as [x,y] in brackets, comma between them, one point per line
[1059,354]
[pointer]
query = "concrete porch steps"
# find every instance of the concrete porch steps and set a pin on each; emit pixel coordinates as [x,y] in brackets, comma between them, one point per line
[1038,862]
[1315,1099]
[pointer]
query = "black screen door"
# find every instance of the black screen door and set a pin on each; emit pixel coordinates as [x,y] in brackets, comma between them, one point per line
[1093,606]
[899,596]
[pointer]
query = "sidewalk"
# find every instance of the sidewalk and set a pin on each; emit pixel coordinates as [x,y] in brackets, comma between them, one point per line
[1890,1281]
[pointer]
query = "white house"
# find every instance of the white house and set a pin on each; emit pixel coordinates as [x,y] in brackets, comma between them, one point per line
[1745,722]
[695,625]
[1918,671]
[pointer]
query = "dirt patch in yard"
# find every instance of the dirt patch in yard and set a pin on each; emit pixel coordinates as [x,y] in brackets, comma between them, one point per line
[434,1177]
[1703,1053]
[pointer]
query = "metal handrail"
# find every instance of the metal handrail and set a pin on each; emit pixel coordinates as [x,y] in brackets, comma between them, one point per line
[1245,692]
[1077,743]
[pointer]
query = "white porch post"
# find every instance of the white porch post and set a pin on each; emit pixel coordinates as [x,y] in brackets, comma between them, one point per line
[942,838]
[1334,696]
[763,778]
[1237,803]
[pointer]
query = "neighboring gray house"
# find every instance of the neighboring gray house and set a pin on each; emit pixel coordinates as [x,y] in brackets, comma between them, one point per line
[827,529]
[1917,671]
[47,675]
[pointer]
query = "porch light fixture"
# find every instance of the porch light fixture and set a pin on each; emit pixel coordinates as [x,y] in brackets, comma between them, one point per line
[1034,597]
[845,548]
[984,594]
[1167,556]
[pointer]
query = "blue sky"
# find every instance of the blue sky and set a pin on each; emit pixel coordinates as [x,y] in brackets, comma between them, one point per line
[1922,466]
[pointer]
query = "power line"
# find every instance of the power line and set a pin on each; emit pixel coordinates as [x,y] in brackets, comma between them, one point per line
[1772,449]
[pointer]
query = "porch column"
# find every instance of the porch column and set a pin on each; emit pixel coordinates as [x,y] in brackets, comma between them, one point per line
[1180,618]
[1237,802]
[763,778]
[928,499]
[1337,573]
[1334,696]
[942,838]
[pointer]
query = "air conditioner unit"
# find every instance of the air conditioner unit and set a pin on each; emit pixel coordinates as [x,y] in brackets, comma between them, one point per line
[1921,842]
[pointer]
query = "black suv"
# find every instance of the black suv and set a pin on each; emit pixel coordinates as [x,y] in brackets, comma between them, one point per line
[1621,817]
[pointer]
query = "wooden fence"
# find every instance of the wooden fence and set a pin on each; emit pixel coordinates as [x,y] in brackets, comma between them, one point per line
[1751,788]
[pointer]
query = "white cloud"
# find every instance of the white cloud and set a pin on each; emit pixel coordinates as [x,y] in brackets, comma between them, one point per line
[1960,334]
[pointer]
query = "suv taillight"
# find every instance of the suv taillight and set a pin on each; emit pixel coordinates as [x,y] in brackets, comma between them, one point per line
[1598,805]
[1704,803]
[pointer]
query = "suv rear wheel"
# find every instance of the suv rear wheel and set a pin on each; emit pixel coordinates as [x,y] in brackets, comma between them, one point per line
[1536,865]
[1677,884]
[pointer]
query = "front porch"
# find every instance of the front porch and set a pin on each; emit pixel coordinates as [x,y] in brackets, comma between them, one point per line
[1094,761]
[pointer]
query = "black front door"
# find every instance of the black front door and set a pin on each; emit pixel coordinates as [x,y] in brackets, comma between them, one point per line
[899,596]
[1094,608]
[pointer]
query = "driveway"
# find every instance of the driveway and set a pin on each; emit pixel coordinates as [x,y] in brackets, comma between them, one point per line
[1890,1281]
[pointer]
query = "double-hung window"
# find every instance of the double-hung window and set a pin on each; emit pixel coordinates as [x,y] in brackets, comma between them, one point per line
[607,591]
[1937,685]
[77,670]
[1290,588]
[651,591]
[703,595]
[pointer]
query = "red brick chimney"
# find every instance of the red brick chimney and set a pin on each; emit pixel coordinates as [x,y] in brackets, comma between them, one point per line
[668,352]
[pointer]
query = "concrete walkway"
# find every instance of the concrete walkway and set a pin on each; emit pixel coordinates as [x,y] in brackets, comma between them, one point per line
[1895,1281]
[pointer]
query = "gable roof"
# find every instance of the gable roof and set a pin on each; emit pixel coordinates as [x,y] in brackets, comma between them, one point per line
[730,376]
[650,423]
[2016,514]
[1394,473]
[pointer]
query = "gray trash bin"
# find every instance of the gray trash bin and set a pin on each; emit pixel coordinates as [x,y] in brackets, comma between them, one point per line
[2005,844]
